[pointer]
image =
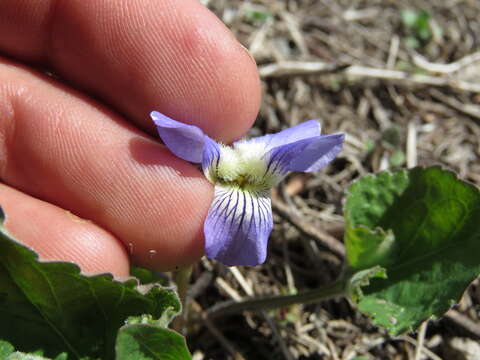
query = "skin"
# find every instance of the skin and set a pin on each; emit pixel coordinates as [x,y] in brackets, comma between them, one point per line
[80,159]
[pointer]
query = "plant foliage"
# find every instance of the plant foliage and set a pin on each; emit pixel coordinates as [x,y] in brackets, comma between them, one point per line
[421,225]
[52,307]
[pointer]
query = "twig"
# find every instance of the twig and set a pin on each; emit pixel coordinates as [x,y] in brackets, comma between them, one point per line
[465,322]
[420,340]
[217,333]
[325,239]
[360,14]
[288,270]
[249,291]
[425,350]
[381,115]
[200,285]
[295,32]
[276,333]
[393,52]
[467,109]
[415,79]
[423,63]
[257,44]
[225,286]
[293,68]
[272,302]
[241,280]
[411,144]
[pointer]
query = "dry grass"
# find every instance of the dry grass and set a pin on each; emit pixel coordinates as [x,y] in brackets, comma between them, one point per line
[346,63]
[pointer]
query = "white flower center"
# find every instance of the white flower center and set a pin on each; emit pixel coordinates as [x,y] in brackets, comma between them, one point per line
[245,166]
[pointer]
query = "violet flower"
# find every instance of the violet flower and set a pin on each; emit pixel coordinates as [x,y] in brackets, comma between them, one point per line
[239,221]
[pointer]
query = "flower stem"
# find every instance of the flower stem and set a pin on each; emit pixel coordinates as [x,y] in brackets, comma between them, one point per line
[181,278]
[327,292]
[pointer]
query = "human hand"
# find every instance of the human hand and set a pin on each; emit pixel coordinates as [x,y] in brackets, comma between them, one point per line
[85,146]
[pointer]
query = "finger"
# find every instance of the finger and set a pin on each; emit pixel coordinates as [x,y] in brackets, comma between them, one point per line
[68,151]
[141,55]
[57,234]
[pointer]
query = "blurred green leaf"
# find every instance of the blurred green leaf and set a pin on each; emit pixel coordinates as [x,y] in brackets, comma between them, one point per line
[53,307]
[5,349]
[64,356]
[392,137]
[257,14]
[412,42]
[397,159]
[409,17]
[146,276]
[146,342]
[422,226]
[418,23]
[369,145]
[7,352]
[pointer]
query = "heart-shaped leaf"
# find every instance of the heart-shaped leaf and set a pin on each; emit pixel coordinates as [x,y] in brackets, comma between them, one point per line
[422,225]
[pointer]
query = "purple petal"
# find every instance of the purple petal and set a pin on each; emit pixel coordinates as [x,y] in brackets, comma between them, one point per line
[305,155]
[185,141]
[238,226]
[305,130]
[211,158]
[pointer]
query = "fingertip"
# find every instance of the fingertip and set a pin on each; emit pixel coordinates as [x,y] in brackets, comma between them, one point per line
[218,85]
[141,55]
[58,235]
[169,210]
[234,101]
[152,201]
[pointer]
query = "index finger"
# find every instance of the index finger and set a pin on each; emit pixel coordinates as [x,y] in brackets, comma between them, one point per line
[141,55]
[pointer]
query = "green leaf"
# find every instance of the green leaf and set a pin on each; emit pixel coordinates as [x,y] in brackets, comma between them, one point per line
[397,159]
[147,342]
[5,349]
[259,14]
[412,42]
[358,280]
[422,226]
[422,25]
[167,316]
[409,17]
[369,145]
[418,22]
[7,352]
[146,276]
[367,248]
[53,307]
[64,356]
[23,356]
